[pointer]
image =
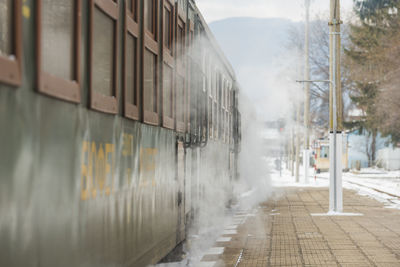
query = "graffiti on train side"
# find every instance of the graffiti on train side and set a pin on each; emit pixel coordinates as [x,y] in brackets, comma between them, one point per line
[127,146]
[98,167]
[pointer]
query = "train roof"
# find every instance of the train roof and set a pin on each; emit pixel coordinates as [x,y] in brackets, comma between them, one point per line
[215,44]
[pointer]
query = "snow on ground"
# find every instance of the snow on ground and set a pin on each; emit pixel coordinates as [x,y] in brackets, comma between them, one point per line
[364,182]
[285,178]
[379,184]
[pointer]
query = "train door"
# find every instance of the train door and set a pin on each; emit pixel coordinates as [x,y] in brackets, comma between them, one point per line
[181,187]
[195,192]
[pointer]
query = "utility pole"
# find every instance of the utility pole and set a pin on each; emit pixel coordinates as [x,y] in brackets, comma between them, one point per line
[335,111]
[306,154]
[297,138]
[287,151]
[292,150]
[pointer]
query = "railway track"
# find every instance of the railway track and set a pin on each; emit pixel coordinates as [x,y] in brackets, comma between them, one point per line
[368,187]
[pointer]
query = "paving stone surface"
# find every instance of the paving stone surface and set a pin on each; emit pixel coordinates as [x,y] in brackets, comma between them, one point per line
[284,233]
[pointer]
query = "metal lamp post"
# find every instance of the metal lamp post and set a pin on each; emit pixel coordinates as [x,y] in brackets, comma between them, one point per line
[335,112]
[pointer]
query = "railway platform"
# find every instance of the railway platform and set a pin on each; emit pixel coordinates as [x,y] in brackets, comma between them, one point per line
[288,230]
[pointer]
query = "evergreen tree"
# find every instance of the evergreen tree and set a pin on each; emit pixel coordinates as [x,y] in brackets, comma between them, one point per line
[367,61]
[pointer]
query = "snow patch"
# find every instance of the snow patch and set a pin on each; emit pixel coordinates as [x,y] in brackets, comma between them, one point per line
[206,264]
[229,232]
[215,251]
[224,239]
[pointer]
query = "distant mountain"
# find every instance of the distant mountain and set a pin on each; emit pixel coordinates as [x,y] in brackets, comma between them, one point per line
[251,40]
[256,49]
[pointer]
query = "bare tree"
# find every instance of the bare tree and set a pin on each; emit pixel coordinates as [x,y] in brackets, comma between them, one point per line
[319,67]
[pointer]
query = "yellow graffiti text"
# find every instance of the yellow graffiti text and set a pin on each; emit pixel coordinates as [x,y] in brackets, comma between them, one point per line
[127,147]
[97,169]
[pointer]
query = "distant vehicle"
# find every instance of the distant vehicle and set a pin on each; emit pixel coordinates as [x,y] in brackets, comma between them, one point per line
[321,154]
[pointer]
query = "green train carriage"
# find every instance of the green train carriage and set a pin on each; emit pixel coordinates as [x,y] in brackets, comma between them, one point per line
[112,114]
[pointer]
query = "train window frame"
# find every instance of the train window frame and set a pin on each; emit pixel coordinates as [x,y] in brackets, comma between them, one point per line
[226,127]
[324,149]
[155,20]
[133,12]
[180,65]
[132,28]
[230,128]
[168,62]
[169,6]
[215,119]
[52,85]
[210,125]
[189,61]
[11,66]
[150,42]
[98,101]
[223,92]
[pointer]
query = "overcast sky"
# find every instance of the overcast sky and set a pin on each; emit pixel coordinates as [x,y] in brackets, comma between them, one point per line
[213,10]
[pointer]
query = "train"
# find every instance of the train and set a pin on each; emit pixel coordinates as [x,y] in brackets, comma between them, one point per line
[321,154]
[118,119]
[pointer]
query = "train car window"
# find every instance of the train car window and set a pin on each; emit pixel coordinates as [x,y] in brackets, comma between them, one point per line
[221,125]
[190,63]
[58,48]
[167,29]
[168,93]
[230,129]
[217,121]
[324,152]
[226,127]
[213,79]
[150,20]
[224,93]
[6,26]
[168,26]
[180,100]
[181,95]
[132,96]
[219,88]
[131,62]
[10,42]
[104,55]
[132,8]
[150,107]
[231,102]
[228,98]
[214,120]
[207,72]
[131,59]
[168,65]
[181,42]
[103,49]
[57,37]
[150,81]
[215,83]
[149,10]
[210,121]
